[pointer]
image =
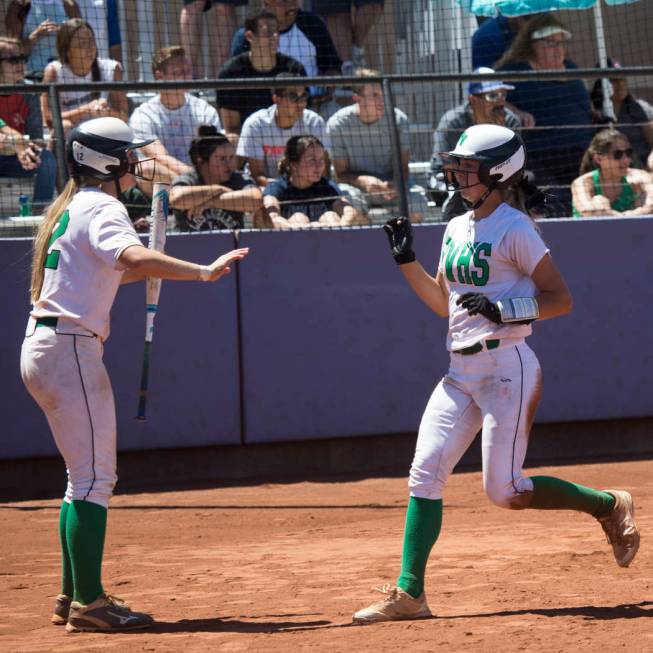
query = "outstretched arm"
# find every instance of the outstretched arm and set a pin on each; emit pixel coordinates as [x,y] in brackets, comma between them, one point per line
[143,262]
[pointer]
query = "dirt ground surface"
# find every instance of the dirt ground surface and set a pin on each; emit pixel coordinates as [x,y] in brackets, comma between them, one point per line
[282,567]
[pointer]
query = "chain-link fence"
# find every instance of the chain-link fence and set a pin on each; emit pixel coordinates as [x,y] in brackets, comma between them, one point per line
[245,140]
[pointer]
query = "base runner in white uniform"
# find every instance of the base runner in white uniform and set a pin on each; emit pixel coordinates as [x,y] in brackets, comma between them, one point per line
[85,248]
[494,278]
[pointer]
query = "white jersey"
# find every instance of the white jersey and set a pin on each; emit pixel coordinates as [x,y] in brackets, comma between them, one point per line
[495,256]
[64,75]
[82,271]
[175,128]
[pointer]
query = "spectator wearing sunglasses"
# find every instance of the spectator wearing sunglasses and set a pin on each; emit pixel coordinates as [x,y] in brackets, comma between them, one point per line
[265,133]
[607,184]
[634,115]
[22,150]
[36,24]
[261,60]
[556,114]
[486,103]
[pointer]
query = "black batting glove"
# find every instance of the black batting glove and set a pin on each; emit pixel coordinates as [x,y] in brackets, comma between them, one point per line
[477,304]
[400,235]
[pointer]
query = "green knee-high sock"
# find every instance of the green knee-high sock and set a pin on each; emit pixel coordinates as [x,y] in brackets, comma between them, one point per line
[66,567]
[423,523]
[85,529]
[551,493]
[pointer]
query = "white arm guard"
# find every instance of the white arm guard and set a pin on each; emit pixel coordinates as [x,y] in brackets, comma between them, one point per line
[518,309]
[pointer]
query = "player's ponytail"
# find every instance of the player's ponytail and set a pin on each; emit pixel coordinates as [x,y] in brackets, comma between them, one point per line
[44,232]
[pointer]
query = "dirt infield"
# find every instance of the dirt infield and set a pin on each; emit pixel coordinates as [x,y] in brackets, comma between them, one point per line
[281,567]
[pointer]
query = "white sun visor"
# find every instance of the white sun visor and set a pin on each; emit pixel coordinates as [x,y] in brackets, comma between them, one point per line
[96,160]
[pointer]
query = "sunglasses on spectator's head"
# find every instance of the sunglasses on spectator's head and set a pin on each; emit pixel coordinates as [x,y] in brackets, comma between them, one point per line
[296,97]
[15,59]
[617,155]
[494,96]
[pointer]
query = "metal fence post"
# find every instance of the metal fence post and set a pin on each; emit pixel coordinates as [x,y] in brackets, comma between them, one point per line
[59,137]
[398,168]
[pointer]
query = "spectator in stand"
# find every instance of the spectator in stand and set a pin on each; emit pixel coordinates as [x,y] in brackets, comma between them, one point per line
[555,114]
[78,63]
[261,60]
[303,196]
[36,23]
[362,150]
[102,16]
[493,37]
[193,14]
[302,36]
[486,103]
[173,117]
[349,27]
[608,185]
[22,150]
[634,115]
[266,132]
[213,195]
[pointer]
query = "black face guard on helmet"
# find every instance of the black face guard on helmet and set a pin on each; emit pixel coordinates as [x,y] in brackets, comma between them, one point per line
[103,158]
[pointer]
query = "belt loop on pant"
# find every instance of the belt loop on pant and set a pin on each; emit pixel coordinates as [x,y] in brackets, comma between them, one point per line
[475,349]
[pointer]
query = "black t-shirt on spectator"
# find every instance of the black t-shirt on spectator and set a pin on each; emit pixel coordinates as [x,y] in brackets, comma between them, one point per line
[213,218]
[248,100]
[312,201]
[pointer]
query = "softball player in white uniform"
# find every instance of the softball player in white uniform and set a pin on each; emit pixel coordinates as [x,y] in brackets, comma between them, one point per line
[85,248]
[495,277]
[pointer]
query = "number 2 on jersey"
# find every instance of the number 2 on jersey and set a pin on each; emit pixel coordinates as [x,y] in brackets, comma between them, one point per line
[52,259]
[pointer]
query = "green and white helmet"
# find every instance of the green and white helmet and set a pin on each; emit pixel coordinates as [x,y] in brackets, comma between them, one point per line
[499,150]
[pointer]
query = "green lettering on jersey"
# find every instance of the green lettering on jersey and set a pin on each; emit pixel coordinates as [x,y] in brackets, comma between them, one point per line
[450,255]
[462,265]
[52,259]
[466,263]
[482,278]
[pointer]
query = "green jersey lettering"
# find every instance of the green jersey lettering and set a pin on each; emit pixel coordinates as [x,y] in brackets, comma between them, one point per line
[52,259]
[452,251]
[462,265]
[482,278]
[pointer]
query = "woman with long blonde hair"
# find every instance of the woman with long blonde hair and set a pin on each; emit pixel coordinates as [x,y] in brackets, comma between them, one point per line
[85,248]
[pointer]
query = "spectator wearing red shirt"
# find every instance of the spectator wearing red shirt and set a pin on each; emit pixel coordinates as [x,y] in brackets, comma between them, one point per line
[22,149]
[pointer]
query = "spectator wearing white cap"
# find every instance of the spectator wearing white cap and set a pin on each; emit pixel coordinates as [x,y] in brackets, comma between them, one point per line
[556,114]
[486,103]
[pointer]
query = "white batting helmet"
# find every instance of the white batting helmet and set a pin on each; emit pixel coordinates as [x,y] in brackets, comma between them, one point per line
[98,148]
[499,150]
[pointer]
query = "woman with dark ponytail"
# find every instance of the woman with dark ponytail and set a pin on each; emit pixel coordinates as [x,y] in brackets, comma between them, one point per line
[303,196]
[78,63]
[608,185]
[214,195]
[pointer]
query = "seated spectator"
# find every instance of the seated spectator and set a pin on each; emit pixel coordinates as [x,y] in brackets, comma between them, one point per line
[302,196]
[193,14]
[362,150]
[493,37]
[78,62]
[103,17]
[262,60]
[266,132]
[634,115]
[173,116]
[553,154]
[302,36]
[349,27]
[213,195]
[608,185]
[22,150]
[36,25]
[486,103]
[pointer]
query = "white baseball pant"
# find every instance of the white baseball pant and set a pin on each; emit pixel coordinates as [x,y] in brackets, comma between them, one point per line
[496,390]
